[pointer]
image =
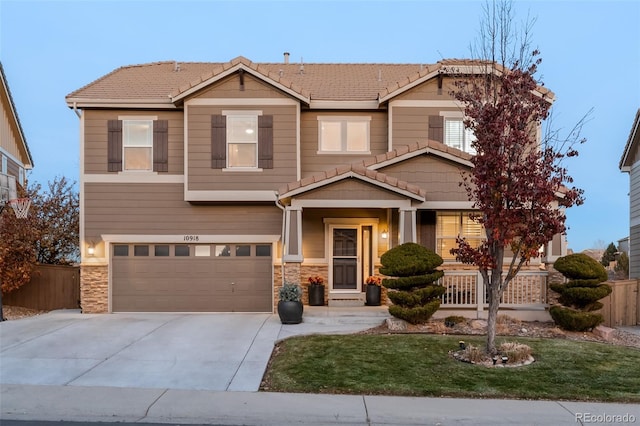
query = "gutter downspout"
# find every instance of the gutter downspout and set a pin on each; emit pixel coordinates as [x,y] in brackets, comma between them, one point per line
[282,235]
[75,109]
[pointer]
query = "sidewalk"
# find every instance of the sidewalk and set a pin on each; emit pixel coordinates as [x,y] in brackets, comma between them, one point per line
[101,404]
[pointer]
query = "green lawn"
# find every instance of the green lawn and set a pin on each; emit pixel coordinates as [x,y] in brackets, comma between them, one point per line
[419,365]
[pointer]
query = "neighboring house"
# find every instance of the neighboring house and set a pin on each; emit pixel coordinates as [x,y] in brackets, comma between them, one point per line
[202,182]
[630,163]
[15,158]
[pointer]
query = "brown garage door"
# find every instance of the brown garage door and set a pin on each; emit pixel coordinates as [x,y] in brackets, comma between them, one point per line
[191,278]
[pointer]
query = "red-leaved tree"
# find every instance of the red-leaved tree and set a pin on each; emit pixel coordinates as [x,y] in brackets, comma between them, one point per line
[518,182]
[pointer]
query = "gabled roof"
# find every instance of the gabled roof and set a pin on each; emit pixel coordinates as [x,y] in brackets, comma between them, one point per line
[632,145]
[13,116]
[162,84]
[356,171]
[366,170]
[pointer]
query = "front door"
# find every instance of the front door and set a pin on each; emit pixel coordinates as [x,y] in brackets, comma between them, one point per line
[345,259]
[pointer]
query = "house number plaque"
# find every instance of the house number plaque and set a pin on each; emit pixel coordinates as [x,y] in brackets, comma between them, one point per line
[191,238]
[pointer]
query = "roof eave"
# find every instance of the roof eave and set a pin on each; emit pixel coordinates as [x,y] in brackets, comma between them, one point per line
[158,103]
[5,85]
[634,136]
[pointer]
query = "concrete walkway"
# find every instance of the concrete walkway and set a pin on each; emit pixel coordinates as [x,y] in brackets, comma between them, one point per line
[206,369]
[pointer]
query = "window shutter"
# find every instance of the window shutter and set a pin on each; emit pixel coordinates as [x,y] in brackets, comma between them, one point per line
[114,146]
[265,141]
[218,141]
[436,125]
[160,146]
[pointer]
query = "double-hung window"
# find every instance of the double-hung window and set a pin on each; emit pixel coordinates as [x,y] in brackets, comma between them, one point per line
[449,226]
[457,136]
[343,135]
[137,141]
[242,141]
[138,144]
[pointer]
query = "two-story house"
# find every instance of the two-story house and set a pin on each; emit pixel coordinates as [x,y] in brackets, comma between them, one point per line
[202,183]
[15,157]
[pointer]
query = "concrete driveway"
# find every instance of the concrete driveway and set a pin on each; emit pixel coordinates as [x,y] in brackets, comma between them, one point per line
[218,352]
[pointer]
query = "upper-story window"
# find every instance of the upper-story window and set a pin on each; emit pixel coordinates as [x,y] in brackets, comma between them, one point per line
[242,141]
[138,144]
[137,141]
[343,135]
[457,136]
[449,226]
[5,165]
[21,176]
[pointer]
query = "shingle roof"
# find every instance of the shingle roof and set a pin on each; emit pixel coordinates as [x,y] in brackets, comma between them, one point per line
[368,168]
[158,81]
[346,171]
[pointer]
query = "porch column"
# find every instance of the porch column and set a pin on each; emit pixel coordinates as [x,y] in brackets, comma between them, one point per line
[293,234]
[407,225]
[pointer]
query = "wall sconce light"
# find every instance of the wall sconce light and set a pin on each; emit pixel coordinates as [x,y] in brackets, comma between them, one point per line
[91,250]
[384,234]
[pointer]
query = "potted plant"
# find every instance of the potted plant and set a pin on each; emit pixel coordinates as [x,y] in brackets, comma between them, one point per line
[290,304]
[316,291]
[373,290]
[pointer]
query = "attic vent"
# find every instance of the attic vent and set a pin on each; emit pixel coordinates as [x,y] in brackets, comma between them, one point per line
[176,66]
[286,57]
[379,75]
[301,66]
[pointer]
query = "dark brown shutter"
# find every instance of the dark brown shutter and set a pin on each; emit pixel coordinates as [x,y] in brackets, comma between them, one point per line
[265,141]
[218,141]
[160,146]
[436,128]
[114,146]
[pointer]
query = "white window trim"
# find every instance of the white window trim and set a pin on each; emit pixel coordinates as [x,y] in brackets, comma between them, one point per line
[344,119]
[466,141]
[124,118]
[4,168]
[246,113]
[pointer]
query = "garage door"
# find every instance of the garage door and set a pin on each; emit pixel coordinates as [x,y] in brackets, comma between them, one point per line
[191,278]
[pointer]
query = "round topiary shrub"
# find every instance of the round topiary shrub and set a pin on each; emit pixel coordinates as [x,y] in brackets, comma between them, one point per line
[580,295]
[413,291]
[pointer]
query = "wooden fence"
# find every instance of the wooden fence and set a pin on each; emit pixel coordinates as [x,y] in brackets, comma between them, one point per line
[51,287]
[621,307]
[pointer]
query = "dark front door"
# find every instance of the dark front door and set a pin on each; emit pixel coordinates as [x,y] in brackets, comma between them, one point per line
[345,258]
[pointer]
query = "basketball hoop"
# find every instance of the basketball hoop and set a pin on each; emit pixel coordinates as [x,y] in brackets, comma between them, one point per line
[20,207]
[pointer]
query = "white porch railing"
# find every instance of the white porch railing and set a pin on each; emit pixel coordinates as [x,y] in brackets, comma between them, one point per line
[466,289]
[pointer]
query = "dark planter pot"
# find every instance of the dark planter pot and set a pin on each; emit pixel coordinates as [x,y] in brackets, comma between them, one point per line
[373,295]
[316,295]
[290,312]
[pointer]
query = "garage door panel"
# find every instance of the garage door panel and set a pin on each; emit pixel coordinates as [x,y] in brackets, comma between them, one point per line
[192,284]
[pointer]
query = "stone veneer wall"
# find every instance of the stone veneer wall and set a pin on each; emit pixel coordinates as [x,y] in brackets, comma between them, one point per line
[94,289]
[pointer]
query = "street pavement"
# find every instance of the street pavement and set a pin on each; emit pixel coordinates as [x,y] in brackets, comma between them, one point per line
[206,369]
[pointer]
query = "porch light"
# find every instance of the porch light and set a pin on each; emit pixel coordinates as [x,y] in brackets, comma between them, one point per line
[91,250]
[385,234]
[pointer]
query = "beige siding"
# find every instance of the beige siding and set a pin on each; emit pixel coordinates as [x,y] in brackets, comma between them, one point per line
[230,88]
[439,177]
[312,162]
[429,91]
[411,124]
[203,178]
[313,238]
[95,138]
[350,189]
[9,134]
[150,209]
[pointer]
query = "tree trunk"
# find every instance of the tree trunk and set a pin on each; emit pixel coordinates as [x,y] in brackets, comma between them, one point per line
[494,290]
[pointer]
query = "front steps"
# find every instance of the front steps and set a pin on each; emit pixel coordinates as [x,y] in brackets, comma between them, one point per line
[346,300]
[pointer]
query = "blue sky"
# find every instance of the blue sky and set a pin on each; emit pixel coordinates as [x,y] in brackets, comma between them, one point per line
[590,52]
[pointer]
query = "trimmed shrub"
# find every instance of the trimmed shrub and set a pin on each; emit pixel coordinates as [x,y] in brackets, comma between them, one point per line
[579,266]
[575,320]
[581,294]
[413,293]
[409,259]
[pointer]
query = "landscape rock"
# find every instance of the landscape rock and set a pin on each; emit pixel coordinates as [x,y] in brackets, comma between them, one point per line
[478,324]
[605,333]
[396,324]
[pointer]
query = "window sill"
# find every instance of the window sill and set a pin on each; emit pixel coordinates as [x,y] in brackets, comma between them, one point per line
[343,152]
[242,169]
[138,172]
